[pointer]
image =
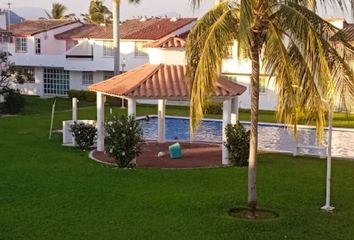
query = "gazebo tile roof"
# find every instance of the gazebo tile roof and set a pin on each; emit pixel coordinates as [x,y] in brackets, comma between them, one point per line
[159,81]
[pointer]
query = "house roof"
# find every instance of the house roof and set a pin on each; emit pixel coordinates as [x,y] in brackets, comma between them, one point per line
[33,27]
[82,50]
[159,81]
[149,29]
[347,33]
[167,42]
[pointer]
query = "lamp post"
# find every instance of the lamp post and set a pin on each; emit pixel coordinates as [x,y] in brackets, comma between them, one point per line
[327,207]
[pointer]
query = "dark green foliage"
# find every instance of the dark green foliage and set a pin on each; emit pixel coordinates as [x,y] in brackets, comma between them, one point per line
[82,95]
[20,79]
[113,101]
[124,139]
[14,101]
[84,134]
[238,144]
[213,108]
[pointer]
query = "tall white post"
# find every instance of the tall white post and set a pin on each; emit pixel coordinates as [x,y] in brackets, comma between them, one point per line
[234,110]
[161,120]
[131,107]
[327,206]
[116,35]
[100,121]
[74,106]
[226,119]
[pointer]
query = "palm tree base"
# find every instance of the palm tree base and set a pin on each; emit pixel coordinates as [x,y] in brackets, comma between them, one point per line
[253,214]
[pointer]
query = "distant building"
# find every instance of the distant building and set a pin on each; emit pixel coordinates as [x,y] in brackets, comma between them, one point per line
[54,56]
[58,55]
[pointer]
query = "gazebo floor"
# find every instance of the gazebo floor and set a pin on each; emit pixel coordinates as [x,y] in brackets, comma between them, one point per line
[195,155]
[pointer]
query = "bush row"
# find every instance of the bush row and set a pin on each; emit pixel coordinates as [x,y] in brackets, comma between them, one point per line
[213,108]
[89,96]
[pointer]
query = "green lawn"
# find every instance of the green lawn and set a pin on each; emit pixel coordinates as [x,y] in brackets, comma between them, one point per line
[51,192]
[37,105]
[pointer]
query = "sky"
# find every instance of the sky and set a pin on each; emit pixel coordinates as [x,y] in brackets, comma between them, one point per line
[145,8]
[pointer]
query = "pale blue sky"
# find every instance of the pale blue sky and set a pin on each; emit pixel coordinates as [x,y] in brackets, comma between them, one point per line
[146,8]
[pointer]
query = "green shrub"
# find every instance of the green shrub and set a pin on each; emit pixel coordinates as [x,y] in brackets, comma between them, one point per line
[90,96]
[213,108]
[14,101]
[84,134]
[238,144]
[124,139]
[79,94]
[113,101]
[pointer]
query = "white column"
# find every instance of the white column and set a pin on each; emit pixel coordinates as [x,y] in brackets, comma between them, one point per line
[74,106]
[234,110]
[327,206]
[100,121]
[131,107]
[226,119]
[161,120]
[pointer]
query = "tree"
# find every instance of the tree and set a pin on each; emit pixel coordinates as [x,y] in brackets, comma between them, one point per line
[98,13]
[290,41]
[5,75]
[58,12]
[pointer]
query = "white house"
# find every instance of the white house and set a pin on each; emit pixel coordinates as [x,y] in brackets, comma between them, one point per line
[170,50]
[57,55]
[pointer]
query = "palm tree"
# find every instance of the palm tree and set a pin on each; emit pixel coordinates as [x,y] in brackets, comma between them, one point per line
[282,38]
[98,13]
[58,12]
[116,32]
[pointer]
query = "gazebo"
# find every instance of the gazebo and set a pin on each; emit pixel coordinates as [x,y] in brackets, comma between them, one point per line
[162,82]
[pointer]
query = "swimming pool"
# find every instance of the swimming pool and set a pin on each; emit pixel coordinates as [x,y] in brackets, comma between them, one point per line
[271,137]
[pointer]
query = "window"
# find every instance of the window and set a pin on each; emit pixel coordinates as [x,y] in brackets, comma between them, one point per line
[262,84]
[108,49]
[70,44]
[140,50]
[107,75]
[87,78]
[56,81]
[28,73]
[21,44]
[24,74]
[37,43]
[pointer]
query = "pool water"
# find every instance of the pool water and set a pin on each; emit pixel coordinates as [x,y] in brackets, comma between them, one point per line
[271,138]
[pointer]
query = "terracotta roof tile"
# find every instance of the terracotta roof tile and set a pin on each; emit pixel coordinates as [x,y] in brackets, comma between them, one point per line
[167,42]
[150,29]
[159,81]
[32,27]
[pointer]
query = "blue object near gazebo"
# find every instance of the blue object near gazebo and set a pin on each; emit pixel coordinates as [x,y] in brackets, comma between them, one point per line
[175,151]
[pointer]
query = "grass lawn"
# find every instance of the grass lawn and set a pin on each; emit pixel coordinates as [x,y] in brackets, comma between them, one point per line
[51,192]
[37,105]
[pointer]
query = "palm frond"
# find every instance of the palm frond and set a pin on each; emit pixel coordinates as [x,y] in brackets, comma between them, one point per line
[206,46]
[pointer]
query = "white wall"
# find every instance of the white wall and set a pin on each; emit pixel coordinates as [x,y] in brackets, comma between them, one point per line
[174,56]
[3,20]
[76,79]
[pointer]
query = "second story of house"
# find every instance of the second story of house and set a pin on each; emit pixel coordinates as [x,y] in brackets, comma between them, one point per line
[76,46]
[34,42]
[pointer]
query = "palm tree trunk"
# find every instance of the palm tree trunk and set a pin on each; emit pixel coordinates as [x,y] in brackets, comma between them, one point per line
[252,196]
[116,35]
